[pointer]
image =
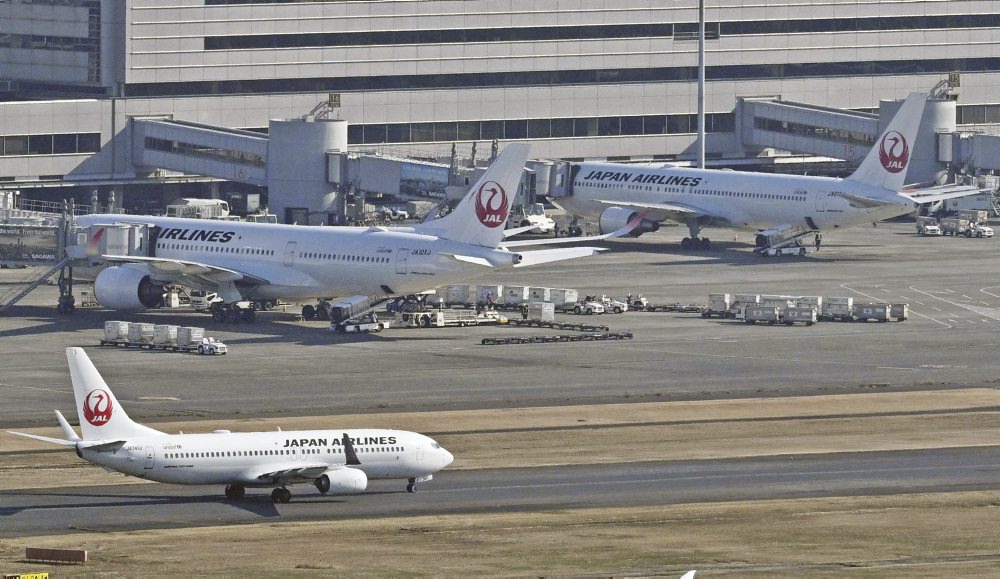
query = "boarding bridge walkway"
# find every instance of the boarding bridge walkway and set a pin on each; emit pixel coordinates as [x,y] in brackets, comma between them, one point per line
[806,129]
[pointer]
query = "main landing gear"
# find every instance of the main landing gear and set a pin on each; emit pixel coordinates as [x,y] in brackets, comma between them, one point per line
[696,243]
[281,495]
[412,486]
[235,492]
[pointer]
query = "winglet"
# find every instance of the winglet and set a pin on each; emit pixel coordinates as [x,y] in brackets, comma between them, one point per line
[66,428]
[349,453]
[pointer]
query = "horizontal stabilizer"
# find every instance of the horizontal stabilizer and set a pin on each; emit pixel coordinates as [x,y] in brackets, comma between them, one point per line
[470,259]
[942,193]
[859,202]
[559,254]
[517,230]
[104,446]
[45,438]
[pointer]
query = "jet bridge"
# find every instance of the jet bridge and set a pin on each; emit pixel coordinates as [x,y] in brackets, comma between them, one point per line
[199,149]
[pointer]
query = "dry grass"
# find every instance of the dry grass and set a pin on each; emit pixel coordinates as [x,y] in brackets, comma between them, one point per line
[905,535]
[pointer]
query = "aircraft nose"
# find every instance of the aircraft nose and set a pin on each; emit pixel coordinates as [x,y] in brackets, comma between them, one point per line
[446,458]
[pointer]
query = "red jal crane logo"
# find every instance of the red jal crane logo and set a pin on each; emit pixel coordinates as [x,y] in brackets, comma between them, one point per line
[97,407]
[491,204]
[893,152]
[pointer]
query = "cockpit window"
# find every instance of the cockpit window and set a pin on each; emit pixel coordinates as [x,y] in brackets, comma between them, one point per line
[435,445]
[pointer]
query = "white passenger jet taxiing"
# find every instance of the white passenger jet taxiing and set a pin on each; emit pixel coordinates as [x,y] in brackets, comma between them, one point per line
[253,261]
[616,193]
[339,461]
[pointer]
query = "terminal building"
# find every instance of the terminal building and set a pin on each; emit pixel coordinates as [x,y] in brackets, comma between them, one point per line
[150,101]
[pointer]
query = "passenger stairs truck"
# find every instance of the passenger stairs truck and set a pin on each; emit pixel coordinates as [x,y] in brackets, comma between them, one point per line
[786,240]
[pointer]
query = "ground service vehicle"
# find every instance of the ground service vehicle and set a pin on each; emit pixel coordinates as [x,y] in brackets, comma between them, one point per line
[531,214]
[614,306]
[587,307]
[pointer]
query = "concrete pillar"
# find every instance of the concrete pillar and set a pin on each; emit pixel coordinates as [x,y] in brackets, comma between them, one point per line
[297,167]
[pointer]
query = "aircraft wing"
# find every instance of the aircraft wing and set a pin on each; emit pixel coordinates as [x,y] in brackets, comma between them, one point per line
[173,269]
[663,211]
[293,472]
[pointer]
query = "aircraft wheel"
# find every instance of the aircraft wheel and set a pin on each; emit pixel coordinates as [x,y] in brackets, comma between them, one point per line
[686,243]
[706,243]
[233,315]
[802,251]
[411,488]
[248,315]
[218,315]
[308,312]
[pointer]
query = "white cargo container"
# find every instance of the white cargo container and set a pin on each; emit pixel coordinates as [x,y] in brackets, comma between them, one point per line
[877,312]
[539,294]
[563,296]
[460,294]
[515,294]
[140,333]
[164,335]
[542,311]
[718,305]
[972,215]
[810,302]
[741,301]
[768,314]
[188,336]
[837,309]
[489,294]
[779,301]
[805,315]
[115,332]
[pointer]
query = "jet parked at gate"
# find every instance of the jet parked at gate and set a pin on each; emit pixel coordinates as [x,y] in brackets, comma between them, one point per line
[616,193]
[253,261]
[338,461]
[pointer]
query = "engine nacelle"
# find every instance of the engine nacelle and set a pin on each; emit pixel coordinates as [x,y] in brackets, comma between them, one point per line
[124,288]
[614,218]
[342,481]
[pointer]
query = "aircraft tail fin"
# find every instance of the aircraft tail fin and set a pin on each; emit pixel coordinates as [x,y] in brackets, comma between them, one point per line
[101,417]
[885,165]
[481,216]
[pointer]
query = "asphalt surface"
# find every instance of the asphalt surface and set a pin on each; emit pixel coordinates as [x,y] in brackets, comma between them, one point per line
[282,367]
[155,506]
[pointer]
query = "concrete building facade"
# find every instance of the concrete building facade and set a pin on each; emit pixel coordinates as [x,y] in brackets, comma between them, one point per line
[579,79]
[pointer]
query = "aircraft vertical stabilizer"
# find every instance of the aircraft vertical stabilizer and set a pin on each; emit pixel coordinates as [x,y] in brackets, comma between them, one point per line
[481,216]
[101,417]
[885,165]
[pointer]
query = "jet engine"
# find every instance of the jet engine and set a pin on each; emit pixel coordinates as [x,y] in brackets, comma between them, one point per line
[124,288]
[614,218]
[342,481]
